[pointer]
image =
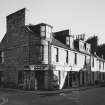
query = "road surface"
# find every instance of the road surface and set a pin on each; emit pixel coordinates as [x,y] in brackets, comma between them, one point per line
[95,96]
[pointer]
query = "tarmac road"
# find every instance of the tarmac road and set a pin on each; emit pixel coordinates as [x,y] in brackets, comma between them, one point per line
[94,96]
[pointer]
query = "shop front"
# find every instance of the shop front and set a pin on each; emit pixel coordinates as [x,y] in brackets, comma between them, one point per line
[31,78]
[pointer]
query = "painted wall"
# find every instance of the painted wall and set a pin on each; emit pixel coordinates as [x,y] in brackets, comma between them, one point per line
[95,66]
[99,64]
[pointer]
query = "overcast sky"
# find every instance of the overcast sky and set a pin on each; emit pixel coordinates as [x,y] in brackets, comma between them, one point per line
[81,16]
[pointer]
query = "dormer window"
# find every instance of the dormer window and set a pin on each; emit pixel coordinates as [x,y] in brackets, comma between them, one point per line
[87,47]
[67,41]
[43,30]
[46,31]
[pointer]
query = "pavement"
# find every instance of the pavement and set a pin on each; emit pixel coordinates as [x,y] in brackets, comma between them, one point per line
[65,90]
[3,99]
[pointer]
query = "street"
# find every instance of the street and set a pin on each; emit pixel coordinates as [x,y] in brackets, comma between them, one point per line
[94,96]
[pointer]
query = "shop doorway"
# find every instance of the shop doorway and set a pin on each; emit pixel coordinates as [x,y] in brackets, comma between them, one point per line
[68,80]
[31,80]
[40,79]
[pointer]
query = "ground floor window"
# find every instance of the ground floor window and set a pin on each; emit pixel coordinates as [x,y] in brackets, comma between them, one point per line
[20,76]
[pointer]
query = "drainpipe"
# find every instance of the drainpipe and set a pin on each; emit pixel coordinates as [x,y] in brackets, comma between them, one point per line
[90,69]
[49,53]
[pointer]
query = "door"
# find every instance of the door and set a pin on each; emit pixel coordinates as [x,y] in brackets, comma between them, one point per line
[40,79]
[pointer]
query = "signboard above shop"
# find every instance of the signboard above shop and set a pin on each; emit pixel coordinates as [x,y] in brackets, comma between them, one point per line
[38,67]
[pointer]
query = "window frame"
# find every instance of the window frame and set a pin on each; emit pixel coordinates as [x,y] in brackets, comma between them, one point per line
[57,54]
[67,60]
[93,62]
[42,52]
[43,31]
[75,58]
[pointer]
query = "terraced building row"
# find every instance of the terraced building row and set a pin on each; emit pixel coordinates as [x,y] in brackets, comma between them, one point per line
[33,57]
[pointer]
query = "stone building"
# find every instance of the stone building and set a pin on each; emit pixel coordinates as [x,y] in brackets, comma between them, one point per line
[32,57]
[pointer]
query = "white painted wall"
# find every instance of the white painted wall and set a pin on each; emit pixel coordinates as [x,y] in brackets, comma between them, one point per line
[45,52]
[71,58]
[80,61]
[96,64]
[102,69]
[62,56]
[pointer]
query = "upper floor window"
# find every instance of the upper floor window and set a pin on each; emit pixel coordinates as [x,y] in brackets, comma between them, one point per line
[93,62]
[85,59]
[66,56]
[99,64]
[103,65]
[42,52]
[75,58]
[57,54]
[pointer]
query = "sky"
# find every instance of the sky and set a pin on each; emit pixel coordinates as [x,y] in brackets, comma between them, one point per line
[80,16]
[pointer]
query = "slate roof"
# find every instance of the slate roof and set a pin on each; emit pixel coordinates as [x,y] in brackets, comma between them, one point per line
[58,43]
